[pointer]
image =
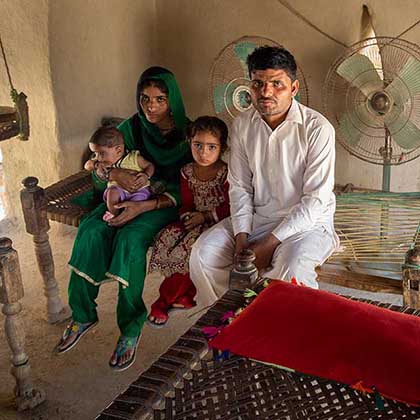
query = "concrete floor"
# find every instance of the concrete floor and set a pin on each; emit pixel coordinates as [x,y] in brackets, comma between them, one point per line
[79,384]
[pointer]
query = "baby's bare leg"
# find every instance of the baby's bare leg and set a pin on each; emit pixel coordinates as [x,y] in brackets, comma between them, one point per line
[113,198]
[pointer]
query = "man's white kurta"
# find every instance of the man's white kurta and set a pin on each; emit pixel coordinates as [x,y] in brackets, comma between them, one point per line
[281,182]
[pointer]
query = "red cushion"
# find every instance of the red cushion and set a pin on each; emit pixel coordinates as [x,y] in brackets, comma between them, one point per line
[325,335]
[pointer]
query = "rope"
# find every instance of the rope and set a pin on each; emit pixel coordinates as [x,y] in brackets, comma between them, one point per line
[292,10]
[6,65]
[408,29]
[300,16]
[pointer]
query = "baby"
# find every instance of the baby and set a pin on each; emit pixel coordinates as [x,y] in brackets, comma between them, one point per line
[107,143]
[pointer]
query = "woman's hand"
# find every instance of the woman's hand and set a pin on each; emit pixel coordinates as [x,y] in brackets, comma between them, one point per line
[100,169]
[143,179]
[193,219]
[130,210]
[128,179]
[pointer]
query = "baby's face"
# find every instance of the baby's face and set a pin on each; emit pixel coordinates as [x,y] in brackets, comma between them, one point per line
[107,155]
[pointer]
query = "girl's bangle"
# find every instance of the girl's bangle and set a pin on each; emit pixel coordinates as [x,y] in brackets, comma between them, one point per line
[157,207]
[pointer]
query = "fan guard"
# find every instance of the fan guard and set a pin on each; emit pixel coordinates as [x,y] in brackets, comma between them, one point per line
[372,97]
[229,88]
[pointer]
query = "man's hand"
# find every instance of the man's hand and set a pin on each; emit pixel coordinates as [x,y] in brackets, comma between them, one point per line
[241,242]
[131,209]
[264,250]
[193,219]
[128,179]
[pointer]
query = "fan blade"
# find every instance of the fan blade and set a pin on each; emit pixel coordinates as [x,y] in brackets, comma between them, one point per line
[360,72]
[242,50]
[407,83]
[349,132]
[220,100]
[407,136]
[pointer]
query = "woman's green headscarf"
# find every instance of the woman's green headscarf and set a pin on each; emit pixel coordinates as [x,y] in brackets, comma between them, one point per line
[163,150]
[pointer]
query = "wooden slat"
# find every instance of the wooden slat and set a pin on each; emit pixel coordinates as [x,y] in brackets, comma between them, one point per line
[342,277]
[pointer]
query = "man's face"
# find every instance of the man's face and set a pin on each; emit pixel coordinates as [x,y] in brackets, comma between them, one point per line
[272,91]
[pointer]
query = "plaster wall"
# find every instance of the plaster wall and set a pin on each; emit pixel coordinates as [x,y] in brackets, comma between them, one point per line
[189,43]
[77,61]
[98,49]
[24,31]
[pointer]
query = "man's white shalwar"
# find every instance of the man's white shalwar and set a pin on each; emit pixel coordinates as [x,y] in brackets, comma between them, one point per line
[281,182]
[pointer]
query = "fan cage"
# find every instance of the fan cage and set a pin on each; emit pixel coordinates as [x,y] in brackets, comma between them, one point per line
[394,54]
[229,75]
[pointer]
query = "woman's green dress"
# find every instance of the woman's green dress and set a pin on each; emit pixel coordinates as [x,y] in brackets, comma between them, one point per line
[102,253]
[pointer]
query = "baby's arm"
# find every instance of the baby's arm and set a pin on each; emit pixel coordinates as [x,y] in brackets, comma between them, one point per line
[90,165]
[148,167]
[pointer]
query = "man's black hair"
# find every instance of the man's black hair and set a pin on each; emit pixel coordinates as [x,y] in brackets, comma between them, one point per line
[266,57]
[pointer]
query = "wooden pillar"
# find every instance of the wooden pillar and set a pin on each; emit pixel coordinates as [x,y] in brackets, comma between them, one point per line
[11,291]
[411,278]
[34,209]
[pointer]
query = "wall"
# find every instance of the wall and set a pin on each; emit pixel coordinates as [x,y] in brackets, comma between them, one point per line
[190,43]
[76,61]
[98,49]
[24,31]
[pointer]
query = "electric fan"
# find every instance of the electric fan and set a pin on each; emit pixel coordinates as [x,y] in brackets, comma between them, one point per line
[229,87]
[372,97]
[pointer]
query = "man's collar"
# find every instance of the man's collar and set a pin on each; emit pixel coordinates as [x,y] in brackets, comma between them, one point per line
[293,115]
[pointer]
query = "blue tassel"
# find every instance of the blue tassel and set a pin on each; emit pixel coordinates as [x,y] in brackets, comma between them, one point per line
[379,402]
[224,355]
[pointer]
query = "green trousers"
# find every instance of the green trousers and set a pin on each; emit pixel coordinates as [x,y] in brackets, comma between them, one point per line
[102,253]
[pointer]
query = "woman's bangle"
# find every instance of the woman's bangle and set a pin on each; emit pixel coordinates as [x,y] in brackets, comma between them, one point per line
[108,172]
[157,207]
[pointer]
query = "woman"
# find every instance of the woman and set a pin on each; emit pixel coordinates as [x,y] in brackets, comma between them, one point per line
[103,253]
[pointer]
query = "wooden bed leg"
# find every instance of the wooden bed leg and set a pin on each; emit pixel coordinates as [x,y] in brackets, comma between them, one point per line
[11,291]
[32,198]
[411,278]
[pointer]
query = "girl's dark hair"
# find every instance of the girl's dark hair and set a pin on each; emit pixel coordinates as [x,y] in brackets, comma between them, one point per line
[278,58]
[214,125]
[107,136]
[160,84]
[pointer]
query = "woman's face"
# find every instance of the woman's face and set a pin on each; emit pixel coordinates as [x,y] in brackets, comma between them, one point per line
[155,106]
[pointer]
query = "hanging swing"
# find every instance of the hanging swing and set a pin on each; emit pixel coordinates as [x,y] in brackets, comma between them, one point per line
[14,120]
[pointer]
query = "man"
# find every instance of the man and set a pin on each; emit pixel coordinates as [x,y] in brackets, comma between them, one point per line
[281,176]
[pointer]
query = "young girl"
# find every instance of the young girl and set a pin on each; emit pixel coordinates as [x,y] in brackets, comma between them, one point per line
[205,201]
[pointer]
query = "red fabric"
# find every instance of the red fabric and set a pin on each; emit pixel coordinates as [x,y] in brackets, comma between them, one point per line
[187,198]
[325,335]
[178,288]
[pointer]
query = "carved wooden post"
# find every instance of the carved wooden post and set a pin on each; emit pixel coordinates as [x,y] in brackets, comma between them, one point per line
[11,291]
[32,198]
[411,278]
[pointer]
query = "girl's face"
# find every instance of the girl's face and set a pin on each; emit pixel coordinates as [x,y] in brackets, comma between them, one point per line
[205,148]
[155,106]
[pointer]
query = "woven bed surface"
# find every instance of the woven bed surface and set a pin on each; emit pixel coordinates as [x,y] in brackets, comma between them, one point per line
[189,382]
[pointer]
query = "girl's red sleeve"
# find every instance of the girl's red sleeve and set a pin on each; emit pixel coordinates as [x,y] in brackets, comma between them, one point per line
[187,199]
